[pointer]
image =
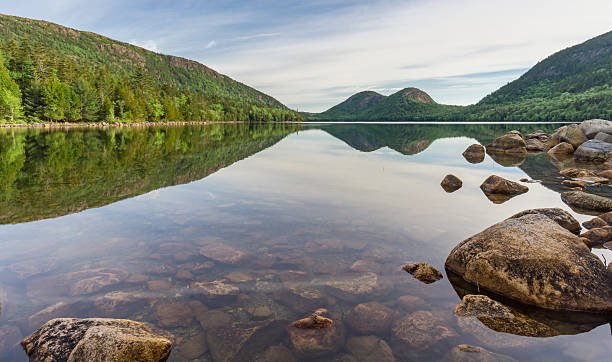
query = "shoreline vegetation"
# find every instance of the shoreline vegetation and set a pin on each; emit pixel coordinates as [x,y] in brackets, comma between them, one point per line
[47,125]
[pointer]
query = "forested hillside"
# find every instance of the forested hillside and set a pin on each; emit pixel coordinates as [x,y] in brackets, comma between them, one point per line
[53,73]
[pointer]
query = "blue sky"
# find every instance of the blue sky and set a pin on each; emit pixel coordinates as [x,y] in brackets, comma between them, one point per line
[313,54]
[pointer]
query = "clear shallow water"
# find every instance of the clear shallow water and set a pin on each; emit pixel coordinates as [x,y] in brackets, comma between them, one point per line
[301,206]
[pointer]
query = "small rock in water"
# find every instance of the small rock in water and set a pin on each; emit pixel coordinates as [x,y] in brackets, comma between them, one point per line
[173,314]
[498,185]
[577,173]
[317,342]
[423,272]
[574,183]
[451,183]
[535,145]
[315,321]
[194,346]
[598,236]
[594,223]
[159,285]
[474,154]
[607,174]
[530,181]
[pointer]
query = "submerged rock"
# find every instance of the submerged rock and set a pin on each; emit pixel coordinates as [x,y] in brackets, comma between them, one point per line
[500,186]
[223,253]
[560,216]
[70,339]
[312,343]
[173,314]
[75,283]
[300,299]
[370,348]
[227,342]
[451,183]
[562,148]
[534,260]
[466,353]
[594,151]
[423,272]
[420,330]
[474,154]
[216,293]
[357,287]
[371,317]
[583,201]
[511,142]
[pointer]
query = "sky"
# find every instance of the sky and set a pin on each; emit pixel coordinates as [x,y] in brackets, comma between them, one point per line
[311,55]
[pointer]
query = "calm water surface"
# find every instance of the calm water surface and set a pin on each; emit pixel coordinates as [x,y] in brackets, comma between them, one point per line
[132,223]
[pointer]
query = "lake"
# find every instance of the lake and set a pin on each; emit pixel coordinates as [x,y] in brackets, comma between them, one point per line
[137,222]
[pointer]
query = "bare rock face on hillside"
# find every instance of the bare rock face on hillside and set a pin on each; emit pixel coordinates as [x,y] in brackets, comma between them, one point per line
[532,259]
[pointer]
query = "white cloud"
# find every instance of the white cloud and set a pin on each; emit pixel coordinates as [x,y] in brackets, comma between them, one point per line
[211,44]
[256,36]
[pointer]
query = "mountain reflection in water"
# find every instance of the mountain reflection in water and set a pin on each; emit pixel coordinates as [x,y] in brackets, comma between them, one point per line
[280,220]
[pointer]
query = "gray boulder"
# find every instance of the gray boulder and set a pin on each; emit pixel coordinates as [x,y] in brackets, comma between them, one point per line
[592,127]
[603,137]
[534,260]
[594,151]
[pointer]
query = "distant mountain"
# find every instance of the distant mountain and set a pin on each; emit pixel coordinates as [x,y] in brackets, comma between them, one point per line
[572,85]
[37,52]
[407,104]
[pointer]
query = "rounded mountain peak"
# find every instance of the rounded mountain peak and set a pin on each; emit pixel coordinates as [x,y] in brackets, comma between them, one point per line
[416,95]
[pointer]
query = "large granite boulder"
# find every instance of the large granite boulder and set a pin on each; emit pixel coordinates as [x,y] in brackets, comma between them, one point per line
[571,134]
[592,127]
[511,142]
[535,145]
[71,339]
[594,151]
[585,202]
[560,216]
[534,260]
